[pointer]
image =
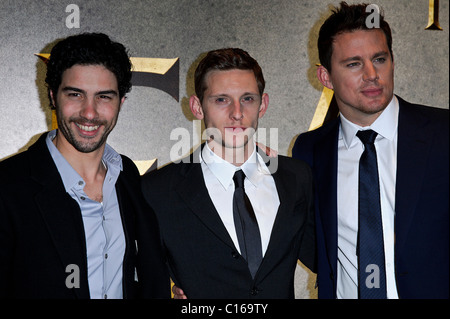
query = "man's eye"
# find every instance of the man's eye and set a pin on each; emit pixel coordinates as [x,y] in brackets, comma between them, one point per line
[353,64]
[221,100]
[248,99]
[105,97]
[380,60]
[74,95]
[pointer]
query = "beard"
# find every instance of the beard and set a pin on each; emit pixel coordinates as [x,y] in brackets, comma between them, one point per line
[84,144]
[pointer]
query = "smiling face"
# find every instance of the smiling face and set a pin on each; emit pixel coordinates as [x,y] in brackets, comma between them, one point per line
[362,75]
[231,108]
[87,105]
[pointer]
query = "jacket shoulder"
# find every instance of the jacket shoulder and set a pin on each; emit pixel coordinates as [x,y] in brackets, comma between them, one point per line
[162,178]
[438,114]
[292,164]
[421,116]
[20,165]
[13,162]
[297,168]
[128,165]
[318,133]
[15,168]
[305,142]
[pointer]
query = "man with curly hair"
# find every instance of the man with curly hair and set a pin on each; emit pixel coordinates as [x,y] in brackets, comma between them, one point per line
[73,222]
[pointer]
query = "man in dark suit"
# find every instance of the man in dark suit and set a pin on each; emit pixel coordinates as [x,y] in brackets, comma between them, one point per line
[226,237]
[412,152]
[71,208]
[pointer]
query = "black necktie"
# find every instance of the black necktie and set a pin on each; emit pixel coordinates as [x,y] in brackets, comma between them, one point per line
[247,229]
[371,268]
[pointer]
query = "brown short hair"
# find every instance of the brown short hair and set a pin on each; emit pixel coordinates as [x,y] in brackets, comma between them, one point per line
[223,60]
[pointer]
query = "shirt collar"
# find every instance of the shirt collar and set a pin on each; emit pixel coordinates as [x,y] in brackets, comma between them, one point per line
[385,125]
[254,167]
[69,175]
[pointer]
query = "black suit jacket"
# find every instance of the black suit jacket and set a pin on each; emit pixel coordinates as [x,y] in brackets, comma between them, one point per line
[421,201]
[201,255]
[41,232]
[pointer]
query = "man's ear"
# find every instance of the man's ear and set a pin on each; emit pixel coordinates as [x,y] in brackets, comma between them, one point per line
[196,107]
[122,100]
[324,77]
[264,105]
[52,99]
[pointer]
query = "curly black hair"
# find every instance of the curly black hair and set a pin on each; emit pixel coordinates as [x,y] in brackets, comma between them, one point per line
[88,49]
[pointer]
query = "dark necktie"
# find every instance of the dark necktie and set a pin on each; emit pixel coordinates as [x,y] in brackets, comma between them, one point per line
[371,268]
[247,229]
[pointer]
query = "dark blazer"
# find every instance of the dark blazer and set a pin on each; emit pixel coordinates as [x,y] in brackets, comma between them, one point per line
[41,232]
[201,255]
[421,201]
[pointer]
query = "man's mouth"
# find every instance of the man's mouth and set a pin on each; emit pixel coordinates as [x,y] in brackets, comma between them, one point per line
[235,130]
[371,92]
[87,128]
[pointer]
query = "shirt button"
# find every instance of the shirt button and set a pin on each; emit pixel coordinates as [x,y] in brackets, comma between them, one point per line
[106,256]
[83,198]
[105,296]
[80,183]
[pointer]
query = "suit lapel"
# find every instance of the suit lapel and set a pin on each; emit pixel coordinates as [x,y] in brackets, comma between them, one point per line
[126,207]
[60,213]
[197,198]
[124,192]
[325,171]
[283,182]
[63,223]
[414,141]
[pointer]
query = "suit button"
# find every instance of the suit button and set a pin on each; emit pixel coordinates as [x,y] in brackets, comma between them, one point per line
[254,292]
[235,254]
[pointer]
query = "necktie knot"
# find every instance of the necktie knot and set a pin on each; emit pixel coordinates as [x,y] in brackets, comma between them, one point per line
[238,179]
[367,136]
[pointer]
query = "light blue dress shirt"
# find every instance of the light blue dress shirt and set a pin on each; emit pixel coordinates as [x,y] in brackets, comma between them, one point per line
[105,239]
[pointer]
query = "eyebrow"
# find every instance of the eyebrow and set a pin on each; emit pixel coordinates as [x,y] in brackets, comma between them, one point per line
[74,89]
[225,94]
[359,58]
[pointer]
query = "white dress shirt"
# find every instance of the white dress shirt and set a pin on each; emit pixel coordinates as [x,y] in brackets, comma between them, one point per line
[259,186]
[350,149]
